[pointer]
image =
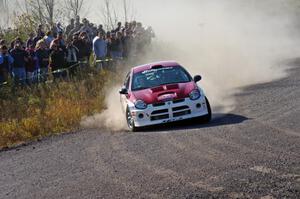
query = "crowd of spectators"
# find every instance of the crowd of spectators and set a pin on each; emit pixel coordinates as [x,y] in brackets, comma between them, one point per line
[58,49]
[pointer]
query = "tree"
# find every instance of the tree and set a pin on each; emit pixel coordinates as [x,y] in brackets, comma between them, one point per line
[49,10]
[43,10]
[74,7]
[111,16]
[129,12]
[5,13]
[107,13]
[125,7]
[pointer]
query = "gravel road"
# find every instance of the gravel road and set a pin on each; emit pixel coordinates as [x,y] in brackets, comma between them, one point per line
[253,152]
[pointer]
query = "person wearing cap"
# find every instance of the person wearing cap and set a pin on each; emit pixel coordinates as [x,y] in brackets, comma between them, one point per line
[6,62]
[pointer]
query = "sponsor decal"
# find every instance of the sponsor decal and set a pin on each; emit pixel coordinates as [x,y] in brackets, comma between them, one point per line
[167,97]
[157,69]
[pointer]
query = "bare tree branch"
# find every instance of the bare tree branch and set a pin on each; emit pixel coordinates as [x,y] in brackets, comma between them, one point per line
[74,7]
[125,6]
[49,5]
[109,15]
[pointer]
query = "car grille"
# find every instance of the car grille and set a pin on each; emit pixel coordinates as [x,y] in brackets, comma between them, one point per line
[176,111]
[180,108]
[160,111]
[178,101]
[159,104]
[159,117]
[182,113]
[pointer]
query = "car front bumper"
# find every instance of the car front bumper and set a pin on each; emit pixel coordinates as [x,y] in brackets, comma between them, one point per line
[170,111]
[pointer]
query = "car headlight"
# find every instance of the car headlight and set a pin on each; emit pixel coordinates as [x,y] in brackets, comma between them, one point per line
[195,94]
[140,104]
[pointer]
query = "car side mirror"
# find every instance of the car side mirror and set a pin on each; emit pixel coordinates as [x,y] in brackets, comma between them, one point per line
[123,91]
[197,78]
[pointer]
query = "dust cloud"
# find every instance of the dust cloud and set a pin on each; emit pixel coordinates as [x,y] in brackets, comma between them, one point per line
[232,44]
[112,118]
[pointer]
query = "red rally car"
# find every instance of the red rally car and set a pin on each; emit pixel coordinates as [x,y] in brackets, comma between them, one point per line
[162,92]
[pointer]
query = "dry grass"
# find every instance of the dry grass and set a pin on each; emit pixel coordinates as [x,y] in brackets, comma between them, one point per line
[29,113]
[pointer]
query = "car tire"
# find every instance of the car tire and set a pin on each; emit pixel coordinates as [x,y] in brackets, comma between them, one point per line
[206,118]
[130,121]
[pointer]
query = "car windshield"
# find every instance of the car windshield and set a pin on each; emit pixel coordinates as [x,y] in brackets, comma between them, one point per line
[159,76]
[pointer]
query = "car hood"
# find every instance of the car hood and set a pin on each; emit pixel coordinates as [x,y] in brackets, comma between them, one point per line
[164,93]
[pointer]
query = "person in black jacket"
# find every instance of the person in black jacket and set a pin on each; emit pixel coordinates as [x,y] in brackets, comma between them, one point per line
[31,65]
[84,47]
[57,62]
[116,46]
[20,58]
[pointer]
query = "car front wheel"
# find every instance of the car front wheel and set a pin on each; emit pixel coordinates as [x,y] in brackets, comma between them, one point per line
[206,118]
[130,121]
